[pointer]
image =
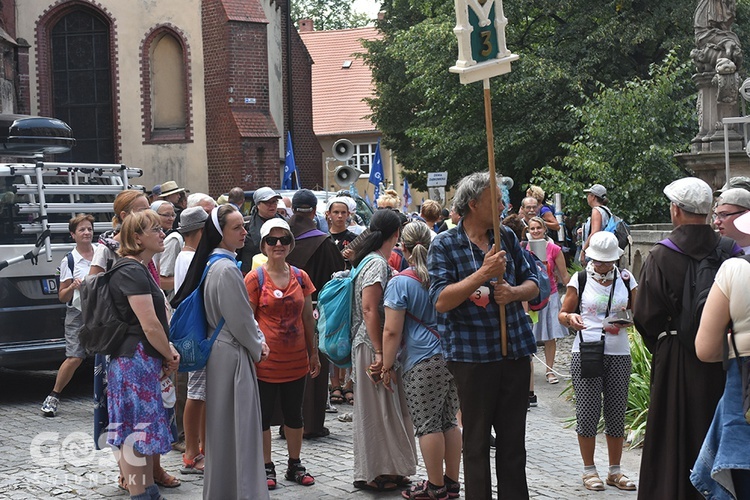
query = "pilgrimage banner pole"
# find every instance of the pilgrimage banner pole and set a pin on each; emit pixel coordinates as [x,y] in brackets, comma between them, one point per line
[482,54]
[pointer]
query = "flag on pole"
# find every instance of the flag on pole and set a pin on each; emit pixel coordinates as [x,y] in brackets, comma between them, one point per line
[290,166]
[376,172]
[407,196]
[367,200]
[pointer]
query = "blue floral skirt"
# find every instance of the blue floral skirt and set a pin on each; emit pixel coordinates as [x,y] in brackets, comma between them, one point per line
[134,404]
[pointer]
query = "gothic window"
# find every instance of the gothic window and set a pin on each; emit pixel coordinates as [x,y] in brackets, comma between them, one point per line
[82,84]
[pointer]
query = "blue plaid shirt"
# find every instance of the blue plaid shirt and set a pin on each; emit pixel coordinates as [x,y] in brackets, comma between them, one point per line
[470,333]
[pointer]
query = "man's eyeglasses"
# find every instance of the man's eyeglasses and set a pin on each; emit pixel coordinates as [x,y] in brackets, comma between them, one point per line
[272,240]
[724,215]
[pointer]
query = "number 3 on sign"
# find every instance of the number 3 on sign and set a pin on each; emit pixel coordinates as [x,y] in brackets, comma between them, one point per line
[486,36]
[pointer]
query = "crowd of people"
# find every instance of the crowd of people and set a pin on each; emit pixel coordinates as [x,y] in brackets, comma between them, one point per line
[438,306]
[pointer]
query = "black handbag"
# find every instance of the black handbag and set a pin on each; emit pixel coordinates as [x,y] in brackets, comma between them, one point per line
[592,357]
[592,353]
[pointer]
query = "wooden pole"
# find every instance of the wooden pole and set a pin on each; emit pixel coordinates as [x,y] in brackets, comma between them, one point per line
[494,195]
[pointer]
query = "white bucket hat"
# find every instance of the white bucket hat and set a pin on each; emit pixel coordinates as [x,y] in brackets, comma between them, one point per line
[276,222]
[603,247]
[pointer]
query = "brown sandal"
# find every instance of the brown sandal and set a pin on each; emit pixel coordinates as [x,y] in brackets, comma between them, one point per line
[162,478]
[593,482]
[349,396]
[621,482]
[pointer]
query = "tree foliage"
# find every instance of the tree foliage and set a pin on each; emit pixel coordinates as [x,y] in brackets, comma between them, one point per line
[328,14]
[628,136]
[570,51]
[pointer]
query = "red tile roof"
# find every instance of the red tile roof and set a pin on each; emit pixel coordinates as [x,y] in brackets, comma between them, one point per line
[252,123]
[337,92]
[244,10]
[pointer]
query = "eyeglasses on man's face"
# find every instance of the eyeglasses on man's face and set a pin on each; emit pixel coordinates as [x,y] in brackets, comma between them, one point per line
[725,215]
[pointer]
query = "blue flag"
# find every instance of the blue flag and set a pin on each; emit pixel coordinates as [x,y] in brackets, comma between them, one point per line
[407,196]
[376,172]
[290,166]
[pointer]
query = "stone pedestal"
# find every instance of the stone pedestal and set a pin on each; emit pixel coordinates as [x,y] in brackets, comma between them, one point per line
[710,166]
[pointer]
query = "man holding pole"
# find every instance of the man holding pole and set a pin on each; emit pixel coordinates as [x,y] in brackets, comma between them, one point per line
[477,291]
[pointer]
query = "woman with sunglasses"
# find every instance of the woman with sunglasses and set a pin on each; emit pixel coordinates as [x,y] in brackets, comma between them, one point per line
[233,434]
[604,291]
[280,296]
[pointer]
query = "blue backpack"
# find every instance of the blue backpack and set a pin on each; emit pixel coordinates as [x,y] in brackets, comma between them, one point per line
[335,304]
[187,330]
[540,301]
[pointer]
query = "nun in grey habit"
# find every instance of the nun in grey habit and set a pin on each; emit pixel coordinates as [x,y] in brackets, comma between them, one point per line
[234,440]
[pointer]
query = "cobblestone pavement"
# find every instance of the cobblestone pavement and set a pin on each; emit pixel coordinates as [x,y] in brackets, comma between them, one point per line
[54,457]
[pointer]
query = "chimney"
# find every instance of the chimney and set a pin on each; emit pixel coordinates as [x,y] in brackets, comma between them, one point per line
[305,25]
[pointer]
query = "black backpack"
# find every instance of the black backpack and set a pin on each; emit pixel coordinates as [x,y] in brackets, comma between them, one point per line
[103,332]
[699,278]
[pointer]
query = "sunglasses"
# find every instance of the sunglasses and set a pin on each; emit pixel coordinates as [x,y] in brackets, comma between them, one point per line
[272,240]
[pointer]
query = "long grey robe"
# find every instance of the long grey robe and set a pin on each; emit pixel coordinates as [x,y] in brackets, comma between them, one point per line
[234,442]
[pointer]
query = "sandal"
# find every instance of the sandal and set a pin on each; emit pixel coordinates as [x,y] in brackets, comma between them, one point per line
[348,395]
[621,482]
[377,484]
[271,476]
[337,399]
[593,482]
[122,484]
[192,466]
[551,378]
[163,478]
[422,491]
[297,473]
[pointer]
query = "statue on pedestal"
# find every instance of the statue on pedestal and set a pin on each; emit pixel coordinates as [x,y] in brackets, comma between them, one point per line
[717,57]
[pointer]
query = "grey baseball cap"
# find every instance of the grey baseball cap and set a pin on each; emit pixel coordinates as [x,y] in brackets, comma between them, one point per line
[264,194]
[734,182]
[597,190]
[735,196]
[690,194]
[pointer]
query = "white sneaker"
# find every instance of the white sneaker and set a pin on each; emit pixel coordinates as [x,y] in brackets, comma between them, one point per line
[330,408]
[49,407]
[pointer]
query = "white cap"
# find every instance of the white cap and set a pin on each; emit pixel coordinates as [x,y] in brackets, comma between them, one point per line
[742,223]
[265,230]
[340,199]
[691,194]
[603,247]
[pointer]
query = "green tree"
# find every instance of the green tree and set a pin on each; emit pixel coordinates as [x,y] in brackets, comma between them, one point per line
[569,51]
[328,14]
[628,136]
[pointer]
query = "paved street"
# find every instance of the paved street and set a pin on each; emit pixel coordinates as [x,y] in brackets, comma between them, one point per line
[54,457]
